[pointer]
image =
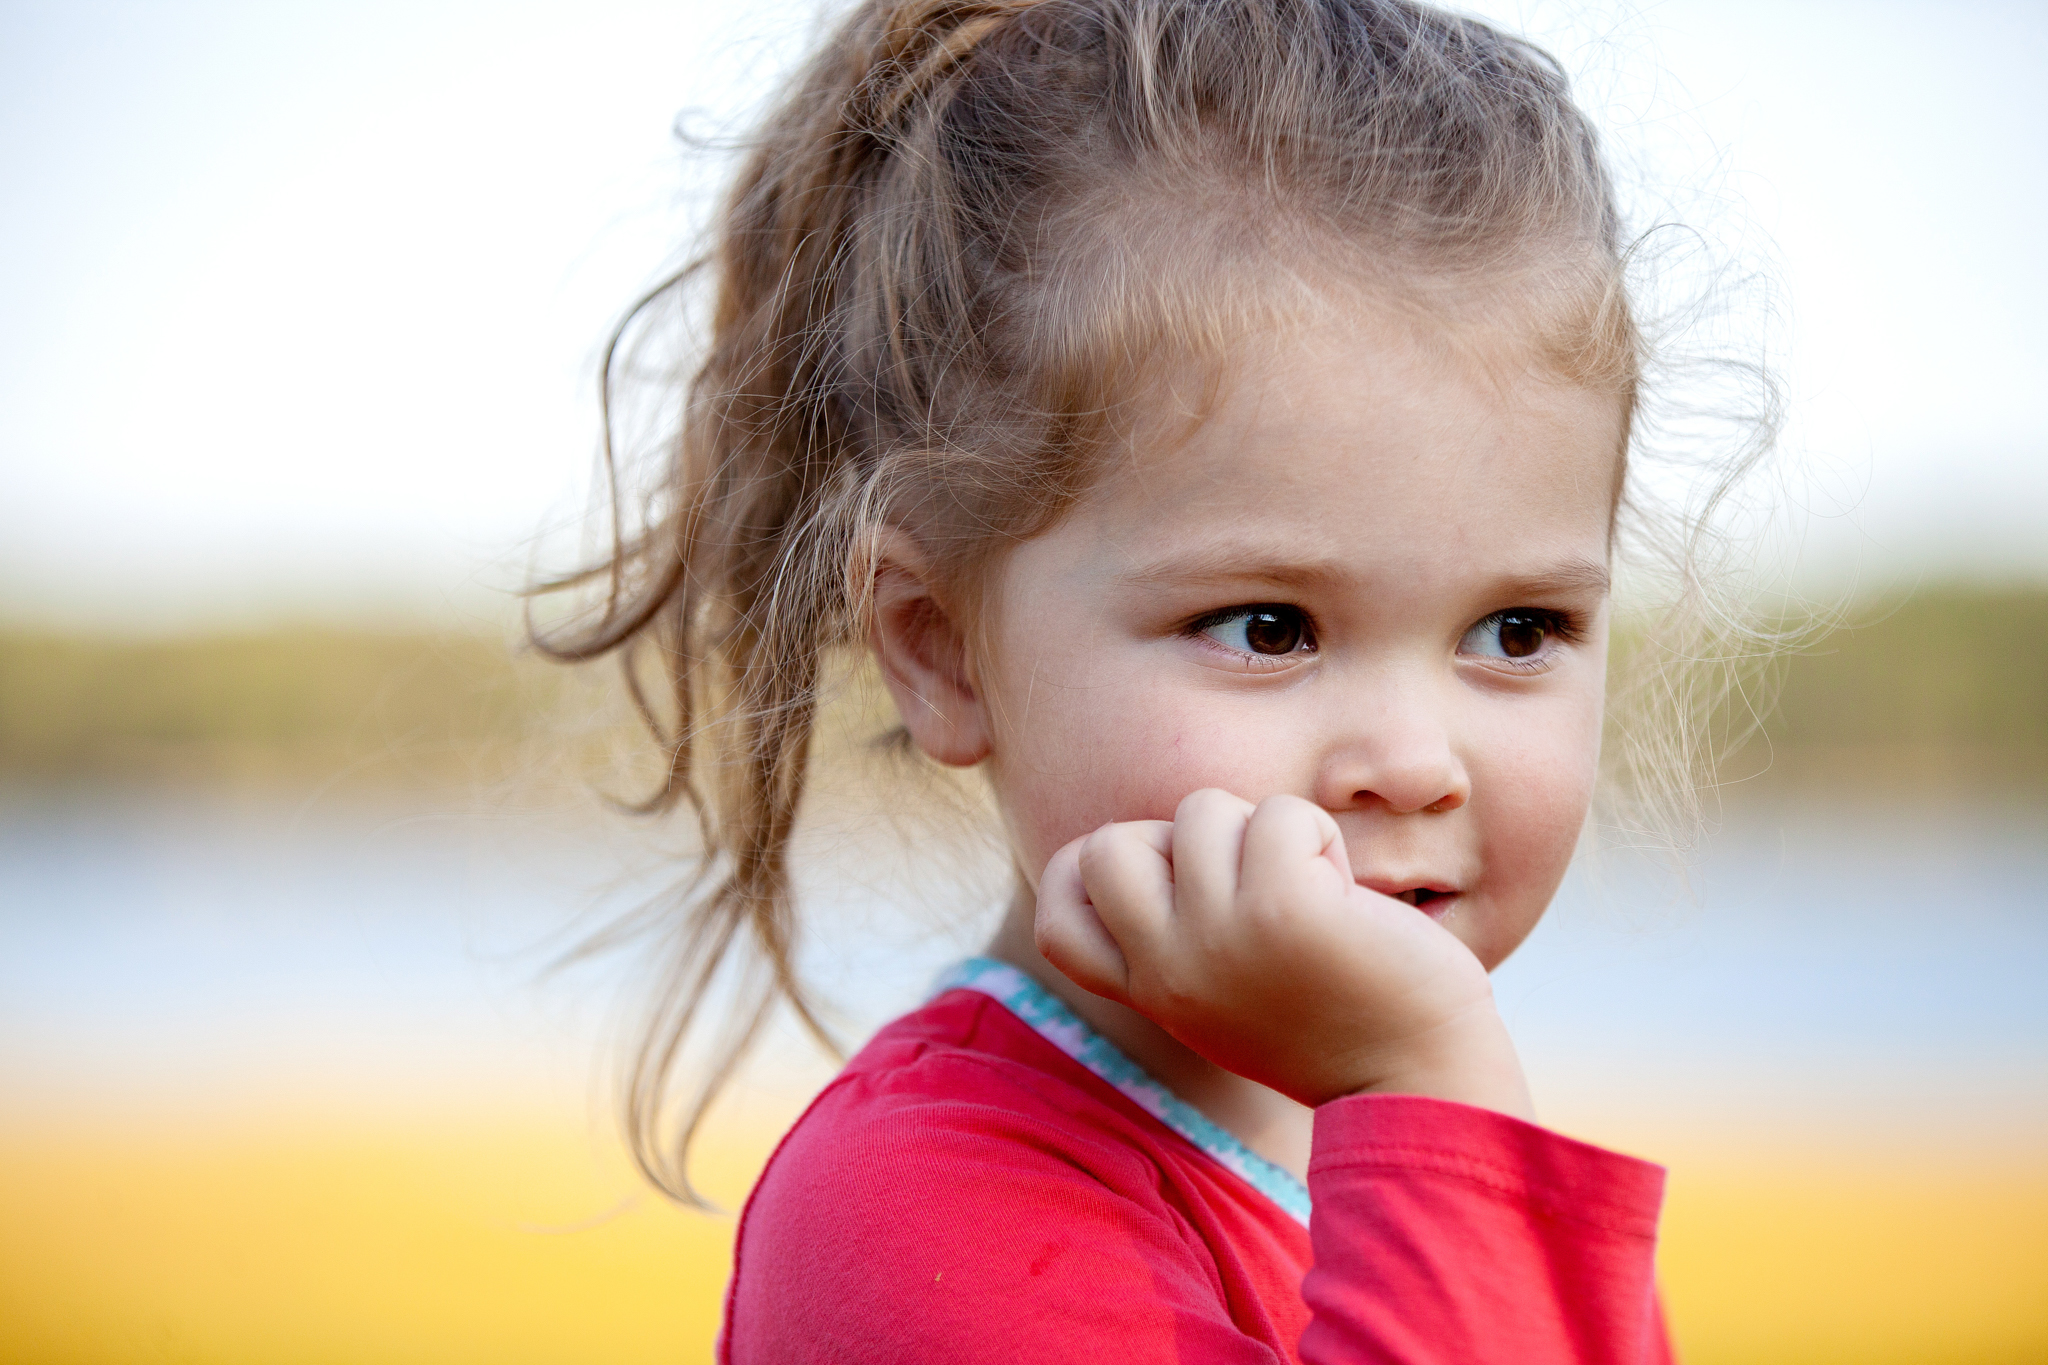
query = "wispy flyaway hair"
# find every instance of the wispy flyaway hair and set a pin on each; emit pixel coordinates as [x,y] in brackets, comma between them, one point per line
[956,248]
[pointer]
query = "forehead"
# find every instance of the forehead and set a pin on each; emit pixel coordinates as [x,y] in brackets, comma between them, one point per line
[1371,445]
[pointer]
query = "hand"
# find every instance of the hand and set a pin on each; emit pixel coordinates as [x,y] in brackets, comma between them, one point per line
[1240,931]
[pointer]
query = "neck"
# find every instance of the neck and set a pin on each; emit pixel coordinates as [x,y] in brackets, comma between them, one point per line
[1272,1125]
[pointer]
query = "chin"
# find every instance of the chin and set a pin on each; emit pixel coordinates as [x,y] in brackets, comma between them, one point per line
[1478,925]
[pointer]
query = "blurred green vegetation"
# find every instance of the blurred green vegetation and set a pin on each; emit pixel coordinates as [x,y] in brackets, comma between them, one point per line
[303,703]
[1952,677]
[1948,683]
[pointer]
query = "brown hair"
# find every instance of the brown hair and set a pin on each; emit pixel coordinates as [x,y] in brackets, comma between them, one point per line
[955,244]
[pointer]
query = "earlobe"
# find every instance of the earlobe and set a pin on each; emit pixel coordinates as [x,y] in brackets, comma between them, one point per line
[924,656]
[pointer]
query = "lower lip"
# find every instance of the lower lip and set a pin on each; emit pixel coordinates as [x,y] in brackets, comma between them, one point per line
[1439,907]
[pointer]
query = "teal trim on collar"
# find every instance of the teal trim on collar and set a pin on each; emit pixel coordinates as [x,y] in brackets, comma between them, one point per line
[1058,1025]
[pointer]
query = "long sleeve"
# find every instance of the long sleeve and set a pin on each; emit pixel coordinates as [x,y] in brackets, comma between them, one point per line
[1445,1233]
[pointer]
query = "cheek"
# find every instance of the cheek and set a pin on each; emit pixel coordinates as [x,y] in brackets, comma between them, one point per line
[1111,743]
[1086,756]
[1533,795]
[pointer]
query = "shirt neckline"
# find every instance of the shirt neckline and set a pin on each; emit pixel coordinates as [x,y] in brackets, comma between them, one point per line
[1051,1020]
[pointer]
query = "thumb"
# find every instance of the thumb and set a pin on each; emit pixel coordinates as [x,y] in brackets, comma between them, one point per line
[1072,936]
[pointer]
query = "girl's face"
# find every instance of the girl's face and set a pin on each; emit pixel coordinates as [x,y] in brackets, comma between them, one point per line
[1375,576]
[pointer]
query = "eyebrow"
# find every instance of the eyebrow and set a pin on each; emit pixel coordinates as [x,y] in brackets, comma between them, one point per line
[1574,576]
[1231,565]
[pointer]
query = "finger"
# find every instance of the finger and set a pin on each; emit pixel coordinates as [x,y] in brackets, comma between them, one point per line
[1208,845]
[1284,838]
[1157,833]
[1128,874]
[1339,856]
[1071,935]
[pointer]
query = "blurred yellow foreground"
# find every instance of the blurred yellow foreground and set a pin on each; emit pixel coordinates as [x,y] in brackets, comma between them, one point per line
[529,1241]
[509,1241]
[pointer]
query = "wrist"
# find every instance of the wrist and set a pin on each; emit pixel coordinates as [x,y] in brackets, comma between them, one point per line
[1469,1059]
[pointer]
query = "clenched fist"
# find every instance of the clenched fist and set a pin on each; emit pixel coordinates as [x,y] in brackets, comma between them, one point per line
[1240,931]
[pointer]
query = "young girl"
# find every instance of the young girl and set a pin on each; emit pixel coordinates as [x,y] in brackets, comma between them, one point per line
[1213,415]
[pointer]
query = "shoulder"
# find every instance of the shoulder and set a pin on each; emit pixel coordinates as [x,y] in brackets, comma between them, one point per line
[960,1174]
[958,1096]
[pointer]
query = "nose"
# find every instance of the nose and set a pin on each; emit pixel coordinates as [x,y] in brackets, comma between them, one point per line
[1393,749]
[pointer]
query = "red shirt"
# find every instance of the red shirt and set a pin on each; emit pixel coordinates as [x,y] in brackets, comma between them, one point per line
[976,1187]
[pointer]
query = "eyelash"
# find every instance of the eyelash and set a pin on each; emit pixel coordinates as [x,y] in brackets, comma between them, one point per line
[1198,629]
[1562,626]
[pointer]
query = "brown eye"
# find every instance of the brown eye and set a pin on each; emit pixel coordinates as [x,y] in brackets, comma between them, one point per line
[1515,635]
[1521,636]
[1273,632]
[1267,630]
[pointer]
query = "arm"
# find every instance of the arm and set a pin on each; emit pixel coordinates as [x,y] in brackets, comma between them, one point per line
[1446,1233]
[1443,1231]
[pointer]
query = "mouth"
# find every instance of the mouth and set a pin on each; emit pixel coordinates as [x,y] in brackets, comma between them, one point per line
[1429,901]
[1433,898]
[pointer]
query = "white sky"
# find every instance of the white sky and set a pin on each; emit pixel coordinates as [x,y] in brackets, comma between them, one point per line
[299,304]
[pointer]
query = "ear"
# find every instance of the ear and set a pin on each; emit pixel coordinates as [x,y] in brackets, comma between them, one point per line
[924,656]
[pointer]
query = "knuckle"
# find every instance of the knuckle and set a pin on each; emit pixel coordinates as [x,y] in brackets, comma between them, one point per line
[1101,853]
[1285,806]
[1211,803]
[1089,851]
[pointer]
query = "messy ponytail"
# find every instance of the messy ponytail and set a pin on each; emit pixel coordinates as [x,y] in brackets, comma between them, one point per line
[953,249]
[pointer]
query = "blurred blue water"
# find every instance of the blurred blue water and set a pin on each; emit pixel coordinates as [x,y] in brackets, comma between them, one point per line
[153,947]
[1829,928]
[1873,960]
[1878,966]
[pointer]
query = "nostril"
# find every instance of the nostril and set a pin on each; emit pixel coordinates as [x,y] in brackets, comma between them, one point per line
[1447,803]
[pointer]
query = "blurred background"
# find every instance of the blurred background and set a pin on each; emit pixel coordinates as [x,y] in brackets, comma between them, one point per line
[302,305]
